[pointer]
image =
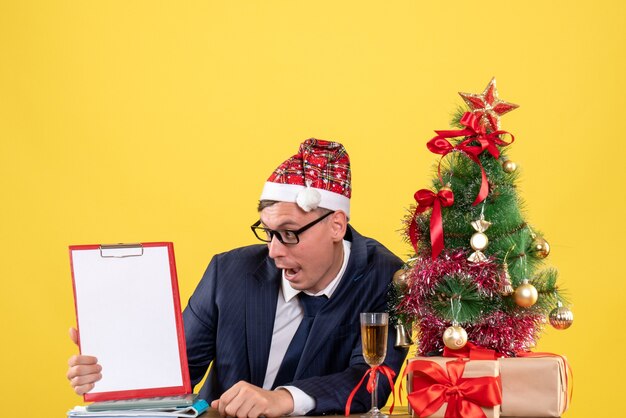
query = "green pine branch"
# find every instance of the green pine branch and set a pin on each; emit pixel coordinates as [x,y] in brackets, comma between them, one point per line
[462,291]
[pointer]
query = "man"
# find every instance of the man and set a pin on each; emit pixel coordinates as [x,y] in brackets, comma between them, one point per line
[280,322]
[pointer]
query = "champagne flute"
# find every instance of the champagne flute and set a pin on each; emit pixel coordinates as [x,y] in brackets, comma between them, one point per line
[374,341]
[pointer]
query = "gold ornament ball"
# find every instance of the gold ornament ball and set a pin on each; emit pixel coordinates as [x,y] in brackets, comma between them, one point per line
[541,248]
[525,295]
[561,317]
[479,241]
[509,166]
[455,337]
[401,277]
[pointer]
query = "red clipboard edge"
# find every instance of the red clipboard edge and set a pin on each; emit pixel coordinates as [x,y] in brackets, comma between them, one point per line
[133,394]
[180,331]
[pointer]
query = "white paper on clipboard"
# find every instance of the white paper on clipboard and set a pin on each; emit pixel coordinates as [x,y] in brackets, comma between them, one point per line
[128,314]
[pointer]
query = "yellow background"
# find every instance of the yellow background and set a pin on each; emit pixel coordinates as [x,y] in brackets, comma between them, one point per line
[124,121]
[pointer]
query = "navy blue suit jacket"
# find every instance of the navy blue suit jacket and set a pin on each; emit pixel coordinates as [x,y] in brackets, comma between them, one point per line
[230,318]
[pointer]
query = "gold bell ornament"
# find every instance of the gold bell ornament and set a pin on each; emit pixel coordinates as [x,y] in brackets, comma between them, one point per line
[403,336]
[526,294]
[561,317]
[403,333]
[506,288]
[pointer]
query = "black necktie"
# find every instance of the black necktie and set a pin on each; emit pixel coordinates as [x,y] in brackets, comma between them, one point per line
[311,306]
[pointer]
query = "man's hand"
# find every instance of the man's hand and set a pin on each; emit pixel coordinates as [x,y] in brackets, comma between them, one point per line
[84,371]
[246,400]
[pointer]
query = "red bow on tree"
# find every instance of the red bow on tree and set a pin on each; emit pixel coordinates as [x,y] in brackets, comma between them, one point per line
[474,131]
[432,387]
[425,199]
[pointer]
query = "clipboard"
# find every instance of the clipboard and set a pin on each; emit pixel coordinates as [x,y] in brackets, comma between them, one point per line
[128,315]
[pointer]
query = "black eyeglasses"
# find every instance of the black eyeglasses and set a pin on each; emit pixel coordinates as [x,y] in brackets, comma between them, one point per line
[285,236]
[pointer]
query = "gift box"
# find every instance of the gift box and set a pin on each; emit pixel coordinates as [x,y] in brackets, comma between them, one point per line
[469,388]
[533,386]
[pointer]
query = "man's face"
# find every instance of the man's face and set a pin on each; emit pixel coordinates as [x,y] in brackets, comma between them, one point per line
[312,263]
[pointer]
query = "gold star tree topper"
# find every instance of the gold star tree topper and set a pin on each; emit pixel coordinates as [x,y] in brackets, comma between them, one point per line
[488,106]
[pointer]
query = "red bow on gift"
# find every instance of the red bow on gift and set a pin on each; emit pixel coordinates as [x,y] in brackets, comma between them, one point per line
[474,131]
[371,385]
[472,352]
[432,387]
[426,199]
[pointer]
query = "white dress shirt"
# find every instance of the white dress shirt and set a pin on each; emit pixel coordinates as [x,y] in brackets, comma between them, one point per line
[289,314]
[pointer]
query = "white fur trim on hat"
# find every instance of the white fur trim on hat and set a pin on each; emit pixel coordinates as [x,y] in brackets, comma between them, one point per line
[289,193]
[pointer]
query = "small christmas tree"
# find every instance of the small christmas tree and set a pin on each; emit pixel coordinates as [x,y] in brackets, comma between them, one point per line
[476,273]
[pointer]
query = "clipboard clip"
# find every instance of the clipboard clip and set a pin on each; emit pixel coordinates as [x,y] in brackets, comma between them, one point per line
[121,250]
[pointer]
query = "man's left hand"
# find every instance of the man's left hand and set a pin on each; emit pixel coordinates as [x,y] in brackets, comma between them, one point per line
[245,400]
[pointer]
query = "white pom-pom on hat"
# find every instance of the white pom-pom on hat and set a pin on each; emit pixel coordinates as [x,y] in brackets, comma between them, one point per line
[308,198]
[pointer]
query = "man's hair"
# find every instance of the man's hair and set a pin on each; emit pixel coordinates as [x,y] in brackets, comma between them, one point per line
[267,203]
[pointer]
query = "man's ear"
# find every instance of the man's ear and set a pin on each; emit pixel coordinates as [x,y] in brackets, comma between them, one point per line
[339,225]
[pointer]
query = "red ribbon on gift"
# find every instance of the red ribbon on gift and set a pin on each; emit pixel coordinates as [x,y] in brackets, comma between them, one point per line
[473,352]
[474,131]
[569,373]
[432,387]
[371,384]
[425,199]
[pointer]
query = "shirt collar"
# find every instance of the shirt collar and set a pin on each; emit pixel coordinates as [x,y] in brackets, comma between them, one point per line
[289,292]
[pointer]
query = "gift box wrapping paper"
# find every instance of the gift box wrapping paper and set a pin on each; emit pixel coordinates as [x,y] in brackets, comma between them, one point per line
[533,386]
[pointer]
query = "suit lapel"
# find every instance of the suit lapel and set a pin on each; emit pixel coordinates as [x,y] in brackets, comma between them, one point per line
[333,312]
[261,297]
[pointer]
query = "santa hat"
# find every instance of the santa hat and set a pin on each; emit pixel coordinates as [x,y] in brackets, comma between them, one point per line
[317,176]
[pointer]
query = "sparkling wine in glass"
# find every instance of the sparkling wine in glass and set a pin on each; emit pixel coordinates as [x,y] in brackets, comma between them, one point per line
[374,341]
